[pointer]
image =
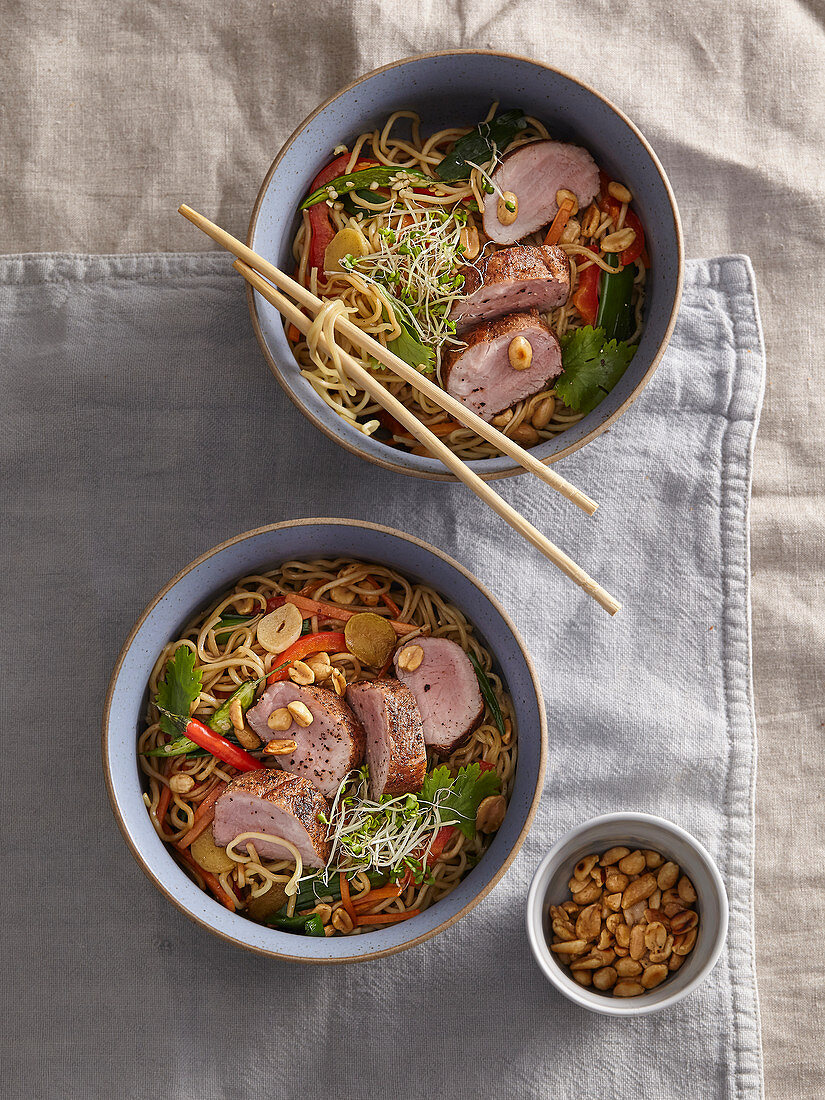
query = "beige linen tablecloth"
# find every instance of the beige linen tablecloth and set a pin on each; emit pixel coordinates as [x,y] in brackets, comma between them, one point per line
[112,115]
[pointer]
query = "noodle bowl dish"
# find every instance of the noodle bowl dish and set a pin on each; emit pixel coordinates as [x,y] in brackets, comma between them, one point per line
[324,740]
[506,244]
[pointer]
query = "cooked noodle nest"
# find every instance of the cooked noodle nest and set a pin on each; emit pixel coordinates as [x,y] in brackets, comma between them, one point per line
[238,657]
[370,308]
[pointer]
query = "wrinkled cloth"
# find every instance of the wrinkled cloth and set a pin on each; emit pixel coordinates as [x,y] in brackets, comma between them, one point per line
[140,426]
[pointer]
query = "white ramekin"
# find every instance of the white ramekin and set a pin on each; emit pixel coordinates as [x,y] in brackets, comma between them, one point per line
[633,830]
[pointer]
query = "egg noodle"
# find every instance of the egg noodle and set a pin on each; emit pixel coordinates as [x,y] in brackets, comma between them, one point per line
[374,310]
[238,657]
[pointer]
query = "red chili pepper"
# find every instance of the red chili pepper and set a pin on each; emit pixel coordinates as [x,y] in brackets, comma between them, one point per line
[213,742]
[586,298]
[327,640]
[321,229]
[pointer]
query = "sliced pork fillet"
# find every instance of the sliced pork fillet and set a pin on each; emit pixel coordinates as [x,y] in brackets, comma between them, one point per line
[328,748]
[396,753]
[282,805]
[480,374]
[446,689]
[534,173]
[513,279]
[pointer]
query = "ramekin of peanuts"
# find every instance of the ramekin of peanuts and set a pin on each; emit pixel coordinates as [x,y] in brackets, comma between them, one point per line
[627,914]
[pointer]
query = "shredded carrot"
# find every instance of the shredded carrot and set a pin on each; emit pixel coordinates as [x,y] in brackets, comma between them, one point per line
[212,882]
[339,614]
[163,805]
[387,918]
[293,334]
[385,597]
[382,893]
[559,222]
[203,815]
[346,901]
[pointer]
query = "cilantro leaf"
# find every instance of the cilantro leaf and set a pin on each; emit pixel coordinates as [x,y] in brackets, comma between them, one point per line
[465,794]
[592,367]
[179,688]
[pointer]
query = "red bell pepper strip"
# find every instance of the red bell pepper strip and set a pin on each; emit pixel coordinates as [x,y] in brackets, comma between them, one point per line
[586,298]
[326,640]
[321,229]
[213,742]
[613,207]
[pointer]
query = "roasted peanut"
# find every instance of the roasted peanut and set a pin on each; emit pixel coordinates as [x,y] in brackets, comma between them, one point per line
[583,977]
[686,892]
[619,192]
[565,196]
[321,668]
[181,783]
[627,968]
[507,208]
[490,813]
[613,855]
[591,892]
[638,890]
[301,713]
[627,987]
[653,859]
[655,936]
[683,945]
[300,673]
[410,658]
[664,954]
[668,876]
[615,880]
[520,353]
[280,747]
[675,961]
[588,923]
[684,921]
[637,941]
[564,930]
[543,413]
[605,978]
[584,867]
[632,864]
[590,221]
[619,240]
[279,720]
[525,435]
[570,947]
[654,975]
[622,934]
[341,920]
[614,902]
[339,681]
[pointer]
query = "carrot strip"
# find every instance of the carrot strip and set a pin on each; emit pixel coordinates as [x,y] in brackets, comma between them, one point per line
[381,893]
[559,222]
[212,882]
[163,805]
[346,900]
[293,334]
[203,815]
[385,597]
[387,918]
[340,614]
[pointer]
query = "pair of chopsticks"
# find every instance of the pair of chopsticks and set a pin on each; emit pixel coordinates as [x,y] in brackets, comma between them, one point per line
[261,275]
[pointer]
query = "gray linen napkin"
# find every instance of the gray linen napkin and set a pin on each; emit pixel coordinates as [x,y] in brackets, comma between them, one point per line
[139,427]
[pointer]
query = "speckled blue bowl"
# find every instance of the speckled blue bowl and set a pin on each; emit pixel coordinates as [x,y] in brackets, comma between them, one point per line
[206,578]
[457,88]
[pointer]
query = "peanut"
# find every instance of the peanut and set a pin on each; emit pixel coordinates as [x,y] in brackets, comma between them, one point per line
[639,890]
[301,713]
[588,923]
[410,658]
[490,813]
[584,867]
[279,720]
[605,978]
[627,987]
[627,968]
[686,892]
[654,975]
[633,864]
[613,855]
[668,876]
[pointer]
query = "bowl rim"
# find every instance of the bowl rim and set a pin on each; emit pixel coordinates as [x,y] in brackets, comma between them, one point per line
[539,779]
[554,973]
[437,474]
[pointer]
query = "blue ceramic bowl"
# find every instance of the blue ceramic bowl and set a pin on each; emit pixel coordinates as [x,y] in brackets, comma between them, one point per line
[206,578]
[457,88]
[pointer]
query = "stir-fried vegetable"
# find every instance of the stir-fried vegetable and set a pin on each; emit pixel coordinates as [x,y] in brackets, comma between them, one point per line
[586,297]
[207,739]
[310,925]
[481,145]
[381,176]
[488,693]
[592,367]
[370,638]
[327,641]
[333,611]
[615,315]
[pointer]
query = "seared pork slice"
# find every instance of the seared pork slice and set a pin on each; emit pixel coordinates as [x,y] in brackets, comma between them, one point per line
[513,279]
[396,752]
[446,689]
[282,805]
[481,375]
[534,173]
[328,748]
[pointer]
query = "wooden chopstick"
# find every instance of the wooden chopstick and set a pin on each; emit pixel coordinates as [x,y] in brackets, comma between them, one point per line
[434,445]
[362,339]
